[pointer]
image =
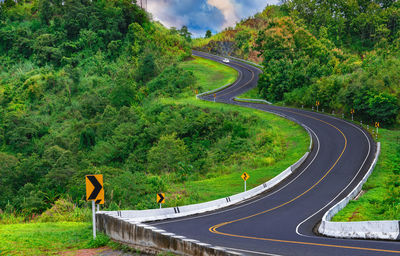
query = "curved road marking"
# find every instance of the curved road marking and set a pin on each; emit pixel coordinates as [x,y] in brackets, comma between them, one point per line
[214,228]
[355,176]
[308,243]
[302,194]
[252,201]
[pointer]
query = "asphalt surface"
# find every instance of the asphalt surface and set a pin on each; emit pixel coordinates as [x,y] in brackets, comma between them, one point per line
[281,221]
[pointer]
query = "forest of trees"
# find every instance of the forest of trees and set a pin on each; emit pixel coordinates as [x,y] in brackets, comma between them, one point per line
[79,83]
[344,54]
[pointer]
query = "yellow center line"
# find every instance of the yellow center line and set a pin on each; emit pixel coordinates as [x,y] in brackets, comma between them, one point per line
[306,243]
[214,228]
[252,77]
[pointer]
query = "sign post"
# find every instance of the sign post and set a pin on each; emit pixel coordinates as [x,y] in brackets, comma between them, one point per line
[160,198]
[94,193]
[377,129]
[317,103]
[245,177]
[352,113]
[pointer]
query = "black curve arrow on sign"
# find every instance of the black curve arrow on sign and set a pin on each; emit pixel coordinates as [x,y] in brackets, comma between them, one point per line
[97,187]
[161,198]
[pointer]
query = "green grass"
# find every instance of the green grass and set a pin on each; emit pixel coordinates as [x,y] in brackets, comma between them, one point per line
[210,74]
[381,200]
[225,180]
[251,94]
[290,142]
[44,238]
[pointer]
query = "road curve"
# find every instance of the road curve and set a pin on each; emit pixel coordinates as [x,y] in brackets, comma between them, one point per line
[281,221]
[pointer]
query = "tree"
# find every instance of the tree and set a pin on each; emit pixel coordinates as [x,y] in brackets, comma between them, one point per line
[166,155]
[185,33]
[383,107]
[146,69]
[45,11]
[9,3]
[208,34]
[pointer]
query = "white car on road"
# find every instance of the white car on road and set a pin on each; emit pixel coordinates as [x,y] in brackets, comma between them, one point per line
[225,60]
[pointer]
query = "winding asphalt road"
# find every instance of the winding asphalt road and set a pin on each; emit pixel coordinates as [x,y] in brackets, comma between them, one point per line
[281,221]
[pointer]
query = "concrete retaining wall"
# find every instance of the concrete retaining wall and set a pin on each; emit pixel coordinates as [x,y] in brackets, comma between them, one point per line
[152,240]
[253,100]
[126,226]
[181,211]
[362,229]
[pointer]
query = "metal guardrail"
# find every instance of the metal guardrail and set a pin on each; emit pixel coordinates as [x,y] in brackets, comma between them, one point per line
[253,100]
[213,91]
[246,61]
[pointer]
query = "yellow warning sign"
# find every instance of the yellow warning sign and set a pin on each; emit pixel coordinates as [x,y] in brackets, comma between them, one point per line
[94,188]
[245,176]
[160,198]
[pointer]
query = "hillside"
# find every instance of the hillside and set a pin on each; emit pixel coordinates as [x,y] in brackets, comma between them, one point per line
[344,63]
[98,87]
[345,55]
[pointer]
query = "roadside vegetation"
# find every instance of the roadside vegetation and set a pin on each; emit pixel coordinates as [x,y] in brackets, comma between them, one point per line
[97,87]
[381,198]
[344,55]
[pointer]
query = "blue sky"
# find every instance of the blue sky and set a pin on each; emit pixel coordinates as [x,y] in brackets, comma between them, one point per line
[200,15]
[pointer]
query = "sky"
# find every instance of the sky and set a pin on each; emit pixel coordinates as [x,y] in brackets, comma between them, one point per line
[201,15]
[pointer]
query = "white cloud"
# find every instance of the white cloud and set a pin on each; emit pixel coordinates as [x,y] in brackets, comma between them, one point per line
[201,15]
[227,9]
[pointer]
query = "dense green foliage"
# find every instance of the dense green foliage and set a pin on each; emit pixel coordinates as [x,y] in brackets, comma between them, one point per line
[301,67]
[86,93]
[75,98]
[358,25]
[343,54]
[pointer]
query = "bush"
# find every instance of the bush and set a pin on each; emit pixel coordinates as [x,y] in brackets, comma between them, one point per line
[64,210]
[166,155]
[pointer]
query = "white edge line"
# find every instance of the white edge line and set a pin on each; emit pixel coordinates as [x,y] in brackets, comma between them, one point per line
[341,192]
[261,253]
[207,93]
[253,201]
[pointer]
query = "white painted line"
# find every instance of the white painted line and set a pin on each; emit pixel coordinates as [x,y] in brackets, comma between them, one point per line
[341,192]
[254,252]
[253,201]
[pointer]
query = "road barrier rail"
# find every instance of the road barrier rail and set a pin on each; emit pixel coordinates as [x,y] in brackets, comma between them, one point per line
[387,229]
[127,226]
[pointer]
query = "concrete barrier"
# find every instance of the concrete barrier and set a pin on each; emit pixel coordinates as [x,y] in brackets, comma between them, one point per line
[149,239]
[252,100]
[388,230]
[127,227]
[182,211]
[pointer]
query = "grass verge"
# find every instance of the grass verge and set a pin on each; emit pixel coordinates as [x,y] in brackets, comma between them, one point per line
[251,94]
[381,198]
[44,238]
[224,180]
[210,74]
[289,143]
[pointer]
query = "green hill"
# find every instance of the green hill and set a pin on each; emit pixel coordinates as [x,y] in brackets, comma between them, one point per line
[97,87]
[345,55]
